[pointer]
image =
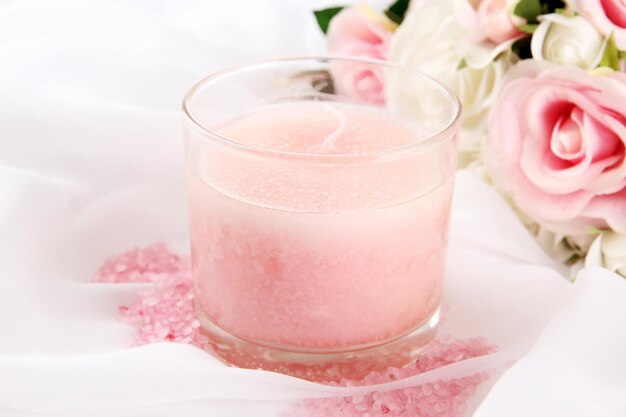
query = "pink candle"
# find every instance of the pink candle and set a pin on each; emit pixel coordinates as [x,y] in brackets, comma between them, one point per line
[321,234]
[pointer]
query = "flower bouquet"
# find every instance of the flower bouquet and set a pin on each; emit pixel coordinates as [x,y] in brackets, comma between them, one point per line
[543,86]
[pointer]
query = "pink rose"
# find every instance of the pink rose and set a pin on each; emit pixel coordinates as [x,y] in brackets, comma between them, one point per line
[556,144]
[496,21]
[609,16]
[360,31]
[490,20]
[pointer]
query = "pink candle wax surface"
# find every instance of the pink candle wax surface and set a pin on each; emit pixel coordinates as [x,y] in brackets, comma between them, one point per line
[327,243]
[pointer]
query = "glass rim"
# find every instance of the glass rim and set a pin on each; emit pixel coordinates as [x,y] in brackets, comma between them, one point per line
[209,134]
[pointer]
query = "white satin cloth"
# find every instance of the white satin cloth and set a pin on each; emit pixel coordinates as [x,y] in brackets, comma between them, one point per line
[91,165]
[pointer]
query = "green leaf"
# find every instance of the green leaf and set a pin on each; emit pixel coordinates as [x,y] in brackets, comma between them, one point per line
[621,54]
[528,9]
[397,10]
[462,64]
[553,6]
[324,17]
[528,28]
[611,55]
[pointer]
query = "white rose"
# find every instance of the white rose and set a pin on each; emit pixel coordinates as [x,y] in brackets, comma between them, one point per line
[568,41]
[477,89]
[608,251]
[432,40]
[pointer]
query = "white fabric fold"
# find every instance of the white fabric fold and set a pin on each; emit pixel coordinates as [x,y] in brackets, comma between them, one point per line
[91,165]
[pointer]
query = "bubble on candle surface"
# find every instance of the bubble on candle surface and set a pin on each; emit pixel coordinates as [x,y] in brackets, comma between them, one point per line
[338,128]
[320,186]
[165,312]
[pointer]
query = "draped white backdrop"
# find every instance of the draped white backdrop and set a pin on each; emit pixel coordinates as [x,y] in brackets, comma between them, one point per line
[91,165]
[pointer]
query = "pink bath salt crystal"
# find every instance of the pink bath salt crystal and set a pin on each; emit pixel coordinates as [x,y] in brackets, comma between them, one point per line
[165,312]
[443,398]
[151,264]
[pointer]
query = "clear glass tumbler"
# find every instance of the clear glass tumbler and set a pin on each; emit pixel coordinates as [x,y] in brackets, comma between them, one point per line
[319,197]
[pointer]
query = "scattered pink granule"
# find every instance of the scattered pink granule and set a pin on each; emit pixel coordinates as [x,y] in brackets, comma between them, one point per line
[443,398]
[165,312]
[151,264]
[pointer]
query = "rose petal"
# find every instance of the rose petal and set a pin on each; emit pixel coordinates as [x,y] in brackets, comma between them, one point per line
[567,141]
[562,197]
[614,245]
[350,27]
[594,254]
[551,209]
[616,11]
[607,16]
[502,157]
[550,173]
[614,179]
[575,226]
[611,207]
[606,142]
[546,105]
[467,17]
[361,31]
[496,21]
[480,55]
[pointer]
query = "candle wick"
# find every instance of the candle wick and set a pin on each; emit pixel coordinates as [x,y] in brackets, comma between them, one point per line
[329,142]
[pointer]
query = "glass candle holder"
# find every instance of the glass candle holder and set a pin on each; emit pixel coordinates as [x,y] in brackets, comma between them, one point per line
[319,197]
